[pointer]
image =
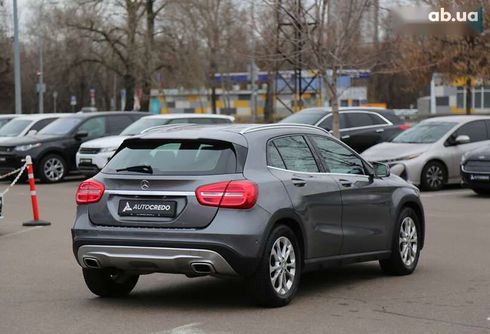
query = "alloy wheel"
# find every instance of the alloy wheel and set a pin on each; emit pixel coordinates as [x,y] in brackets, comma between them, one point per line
[282,265]
[408,243]
[54,169]
[434,177]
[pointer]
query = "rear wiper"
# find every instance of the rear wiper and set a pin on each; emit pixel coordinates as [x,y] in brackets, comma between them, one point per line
[139,169]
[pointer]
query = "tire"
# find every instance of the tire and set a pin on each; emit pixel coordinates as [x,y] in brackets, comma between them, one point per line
[398,264]
[269,292]
[109,283]
[434,176]
[52,168]
[480,191]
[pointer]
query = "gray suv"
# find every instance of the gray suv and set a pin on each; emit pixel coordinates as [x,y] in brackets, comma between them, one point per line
[262,202]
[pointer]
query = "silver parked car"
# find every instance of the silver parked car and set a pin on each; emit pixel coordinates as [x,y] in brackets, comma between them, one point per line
[429,154]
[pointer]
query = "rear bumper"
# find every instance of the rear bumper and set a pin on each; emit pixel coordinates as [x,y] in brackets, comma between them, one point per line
[237,236]
[155,259]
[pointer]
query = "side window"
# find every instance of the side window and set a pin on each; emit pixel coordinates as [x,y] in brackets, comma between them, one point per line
[178,121]
[375,119]
[118,123]
[296,154]
[358,119]
[200,120]
[220,121]
[95,127]
[273,157]
[477,131]
[39,125]
[327,122]
[337,158]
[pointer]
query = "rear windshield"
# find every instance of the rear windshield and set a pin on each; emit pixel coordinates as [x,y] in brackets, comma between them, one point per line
[187,157]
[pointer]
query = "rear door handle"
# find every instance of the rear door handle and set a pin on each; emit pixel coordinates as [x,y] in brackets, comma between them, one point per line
[345,137]
[380,130]
[298,182]
[345,183]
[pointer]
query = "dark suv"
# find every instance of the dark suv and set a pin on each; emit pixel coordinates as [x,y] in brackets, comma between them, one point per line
[360,127]
[262,202]
[54,148]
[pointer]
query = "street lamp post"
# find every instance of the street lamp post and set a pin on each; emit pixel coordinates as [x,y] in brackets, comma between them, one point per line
[18,82]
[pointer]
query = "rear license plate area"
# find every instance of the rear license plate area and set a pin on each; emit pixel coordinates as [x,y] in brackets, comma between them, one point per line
[147,208]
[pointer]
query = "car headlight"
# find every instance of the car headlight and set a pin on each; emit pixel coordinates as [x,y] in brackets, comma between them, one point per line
[23,148]
[108,149]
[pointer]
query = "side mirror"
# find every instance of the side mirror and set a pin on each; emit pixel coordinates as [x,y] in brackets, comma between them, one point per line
[381,170]
[81,134]
[31,132]
[462,139]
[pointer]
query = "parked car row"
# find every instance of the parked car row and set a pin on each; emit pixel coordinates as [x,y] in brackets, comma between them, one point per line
[53,140]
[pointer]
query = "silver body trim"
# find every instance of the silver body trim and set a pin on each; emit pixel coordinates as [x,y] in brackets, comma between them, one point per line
[154,259]
[149,193]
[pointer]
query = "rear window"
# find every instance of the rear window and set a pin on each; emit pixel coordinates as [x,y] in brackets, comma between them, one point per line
[188,157]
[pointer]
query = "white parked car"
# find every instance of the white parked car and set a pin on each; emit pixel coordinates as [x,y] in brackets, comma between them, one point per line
[429,154]
[27,125]
[94,154]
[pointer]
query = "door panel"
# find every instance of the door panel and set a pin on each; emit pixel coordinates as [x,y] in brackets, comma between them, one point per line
[316,199]
[366,219]
[315,196]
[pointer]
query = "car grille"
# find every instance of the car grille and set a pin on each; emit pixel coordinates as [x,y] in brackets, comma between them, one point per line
[480,166]
[89,150]
[6,149]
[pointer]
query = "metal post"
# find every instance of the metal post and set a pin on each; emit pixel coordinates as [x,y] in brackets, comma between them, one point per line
[18,82]
[41,77]
[253,70]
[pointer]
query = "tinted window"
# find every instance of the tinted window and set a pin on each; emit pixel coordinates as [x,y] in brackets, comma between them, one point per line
[273,157]
[296,154]
[61,126]
[220,120]
[176,157]
[178,121]
[359,119]
[118,123]
[4,121]
[376,120]
[338,158]
[327,122]
[95,127]
[305,117]
[390,116]
[42,123]
[14,127]
[477,131]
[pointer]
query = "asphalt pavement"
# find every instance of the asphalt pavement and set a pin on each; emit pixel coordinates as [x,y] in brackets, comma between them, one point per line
[42,290]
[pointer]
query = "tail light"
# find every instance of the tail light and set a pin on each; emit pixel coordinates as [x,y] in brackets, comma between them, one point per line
[404,126]
[228,194]
[89,191]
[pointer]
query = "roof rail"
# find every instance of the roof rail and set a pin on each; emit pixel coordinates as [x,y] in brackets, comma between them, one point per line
[165,127]
[260,127]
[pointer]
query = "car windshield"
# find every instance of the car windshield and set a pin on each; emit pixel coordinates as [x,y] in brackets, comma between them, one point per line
[61,126]
[188,157]
[14,127]
[305,117]
[424,133]
[4,121]
[143,124]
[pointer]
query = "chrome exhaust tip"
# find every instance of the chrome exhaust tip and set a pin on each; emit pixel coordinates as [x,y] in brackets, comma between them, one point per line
[202,268]
[91,262]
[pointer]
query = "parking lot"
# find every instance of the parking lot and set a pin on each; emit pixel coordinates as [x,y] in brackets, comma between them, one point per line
[42,289]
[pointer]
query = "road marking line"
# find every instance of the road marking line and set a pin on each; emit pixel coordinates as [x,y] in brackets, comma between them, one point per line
[20,232]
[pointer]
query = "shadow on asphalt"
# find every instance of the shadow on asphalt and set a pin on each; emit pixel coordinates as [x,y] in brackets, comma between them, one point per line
[211,293]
